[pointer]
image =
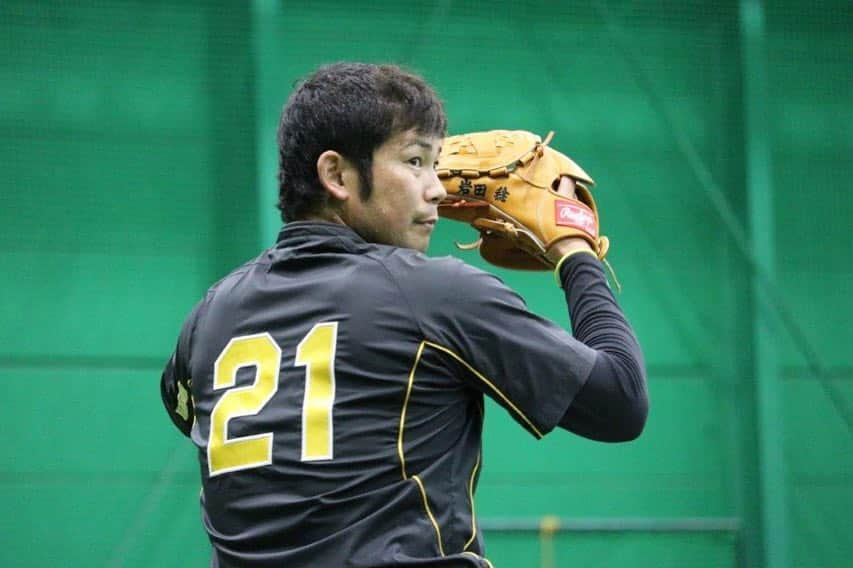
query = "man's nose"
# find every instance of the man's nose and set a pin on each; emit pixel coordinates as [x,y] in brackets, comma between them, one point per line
[435,192]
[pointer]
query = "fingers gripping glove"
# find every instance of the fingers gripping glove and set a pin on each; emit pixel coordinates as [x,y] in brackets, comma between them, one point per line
[503,184]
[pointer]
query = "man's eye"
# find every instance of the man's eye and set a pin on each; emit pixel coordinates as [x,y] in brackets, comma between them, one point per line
[415,162]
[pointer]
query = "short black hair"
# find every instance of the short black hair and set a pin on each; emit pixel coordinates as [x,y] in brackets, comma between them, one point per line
[351,108]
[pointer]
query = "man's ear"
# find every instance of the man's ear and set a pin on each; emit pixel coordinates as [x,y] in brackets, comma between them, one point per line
[337,175]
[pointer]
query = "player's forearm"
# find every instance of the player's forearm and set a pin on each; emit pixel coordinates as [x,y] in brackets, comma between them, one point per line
[613,404]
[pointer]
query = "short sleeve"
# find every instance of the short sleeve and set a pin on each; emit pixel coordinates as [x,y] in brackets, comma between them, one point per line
[175,381]
[526,363]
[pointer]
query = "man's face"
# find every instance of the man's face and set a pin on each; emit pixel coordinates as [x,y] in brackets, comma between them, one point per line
[402,207]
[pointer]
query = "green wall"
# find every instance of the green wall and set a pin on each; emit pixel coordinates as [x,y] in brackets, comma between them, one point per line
[137,146]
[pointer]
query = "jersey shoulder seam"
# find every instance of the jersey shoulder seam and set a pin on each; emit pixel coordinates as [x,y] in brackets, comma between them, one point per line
[403,293]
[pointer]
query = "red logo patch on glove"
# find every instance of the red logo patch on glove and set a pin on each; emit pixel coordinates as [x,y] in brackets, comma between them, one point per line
[576,215]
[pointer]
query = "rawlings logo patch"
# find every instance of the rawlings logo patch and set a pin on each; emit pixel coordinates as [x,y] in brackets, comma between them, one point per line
[575,215]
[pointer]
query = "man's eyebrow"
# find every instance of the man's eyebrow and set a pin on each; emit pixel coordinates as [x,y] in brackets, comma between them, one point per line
[419,142]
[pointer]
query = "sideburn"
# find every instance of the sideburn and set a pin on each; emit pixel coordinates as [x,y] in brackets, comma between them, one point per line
[365,178]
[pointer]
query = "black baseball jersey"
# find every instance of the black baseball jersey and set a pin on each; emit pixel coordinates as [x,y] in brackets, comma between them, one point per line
[334,390]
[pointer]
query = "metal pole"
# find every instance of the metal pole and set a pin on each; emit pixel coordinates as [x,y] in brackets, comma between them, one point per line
[268,45]
[759,185]
[615,525]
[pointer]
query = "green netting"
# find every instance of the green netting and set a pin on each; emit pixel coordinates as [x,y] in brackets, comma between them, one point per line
[135,145]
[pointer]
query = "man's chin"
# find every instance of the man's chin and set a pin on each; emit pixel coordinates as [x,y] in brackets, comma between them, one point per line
[421,246]
[419,243]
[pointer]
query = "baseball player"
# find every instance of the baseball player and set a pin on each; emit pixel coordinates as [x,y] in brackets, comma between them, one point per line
[334,385]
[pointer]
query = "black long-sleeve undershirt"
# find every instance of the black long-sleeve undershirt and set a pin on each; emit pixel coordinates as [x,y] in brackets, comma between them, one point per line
[613,404]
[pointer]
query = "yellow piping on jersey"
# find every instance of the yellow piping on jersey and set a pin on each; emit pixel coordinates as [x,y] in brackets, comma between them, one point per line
[478,557]
[415,478]
[471,488]
[471,496]
[488,382]
[429,512]
[403,411]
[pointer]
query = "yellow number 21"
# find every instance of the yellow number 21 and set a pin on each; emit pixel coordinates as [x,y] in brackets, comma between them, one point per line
[316,352]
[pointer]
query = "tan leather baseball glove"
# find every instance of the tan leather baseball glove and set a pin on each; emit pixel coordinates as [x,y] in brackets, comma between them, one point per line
[503,183]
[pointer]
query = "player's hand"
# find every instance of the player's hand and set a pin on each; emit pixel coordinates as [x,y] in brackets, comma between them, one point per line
[565,246]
